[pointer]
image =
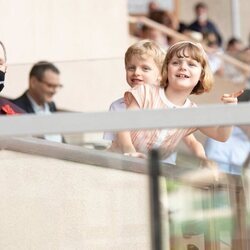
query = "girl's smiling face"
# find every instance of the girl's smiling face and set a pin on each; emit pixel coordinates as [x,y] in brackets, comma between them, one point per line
[186,68]
[184,72]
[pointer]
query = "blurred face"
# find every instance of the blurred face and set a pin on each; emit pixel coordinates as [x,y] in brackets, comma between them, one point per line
[141,71]
[152,6]
[183,73]
[236,47]
[43,91]
[201,14]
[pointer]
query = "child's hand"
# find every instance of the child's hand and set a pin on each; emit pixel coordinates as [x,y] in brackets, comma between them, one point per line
[232,98]
[136,154]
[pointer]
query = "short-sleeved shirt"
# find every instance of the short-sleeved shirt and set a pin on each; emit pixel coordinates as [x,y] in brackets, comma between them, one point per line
[117,105]
[232,154]
[153,97]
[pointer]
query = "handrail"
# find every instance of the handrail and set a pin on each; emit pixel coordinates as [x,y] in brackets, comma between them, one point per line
[204,177]
[204,116]
[170,32]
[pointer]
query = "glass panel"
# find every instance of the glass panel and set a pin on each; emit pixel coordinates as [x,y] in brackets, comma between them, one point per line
[202,201]
[198,216]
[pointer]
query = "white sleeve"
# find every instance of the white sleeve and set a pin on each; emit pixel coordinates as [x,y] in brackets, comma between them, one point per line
[115,106]
[109,136]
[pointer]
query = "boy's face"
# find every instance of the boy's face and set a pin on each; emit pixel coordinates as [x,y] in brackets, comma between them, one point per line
[142,70]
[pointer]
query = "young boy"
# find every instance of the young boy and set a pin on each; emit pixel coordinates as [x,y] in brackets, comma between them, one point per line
[143,63]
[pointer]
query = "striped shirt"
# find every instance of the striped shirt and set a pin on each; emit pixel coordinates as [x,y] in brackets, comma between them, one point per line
[153,97]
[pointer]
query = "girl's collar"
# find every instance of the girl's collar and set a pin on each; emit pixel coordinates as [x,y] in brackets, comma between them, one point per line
[169,103]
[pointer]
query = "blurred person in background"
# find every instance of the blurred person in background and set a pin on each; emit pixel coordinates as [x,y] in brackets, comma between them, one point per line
[154,35]
[164,17]
[233,48]
[202,24]
[244,56]
[152,6]
[216,63]
[167,19]
[232,154]
[6,107]
[44,81]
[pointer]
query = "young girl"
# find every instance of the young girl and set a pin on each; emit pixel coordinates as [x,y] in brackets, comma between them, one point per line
[185,71]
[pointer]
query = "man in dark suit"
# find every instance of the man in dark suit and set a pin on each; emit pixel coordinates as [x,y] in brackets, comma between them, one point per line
[6,107]
[202,24]
[44,81]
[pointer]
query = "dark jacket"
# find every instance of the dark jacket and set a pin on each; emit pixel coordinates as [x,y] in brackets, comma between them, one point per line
[9,108]
[24,103]
[208,28]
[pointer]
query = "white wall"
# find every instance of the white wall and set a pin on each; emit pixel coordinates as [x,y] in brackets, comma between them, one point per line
[54,204]
[73,34]
[63,30]
[245,24]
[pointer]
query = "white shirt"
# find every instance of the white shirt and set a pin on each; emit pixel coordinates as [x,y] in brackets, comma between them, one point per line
[229,155]
[44,110]
[118,105]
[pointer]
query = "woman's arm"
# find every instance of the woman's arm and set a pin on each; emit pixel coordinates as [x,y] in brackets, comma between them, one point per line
[218,133]
[195,146]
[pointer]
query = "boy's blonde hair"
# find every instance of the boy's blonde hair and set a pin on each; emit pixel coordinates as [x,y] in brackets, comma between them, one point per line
[145,48]
[197,53]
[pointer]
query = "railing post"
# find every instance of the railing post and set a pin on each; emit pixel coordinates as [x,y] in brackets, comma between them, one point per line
[154,172]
